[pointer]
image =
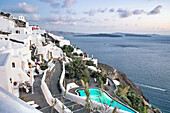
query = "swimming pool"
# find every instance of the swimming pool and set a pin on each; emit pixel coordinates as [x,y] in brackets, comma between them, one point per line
[102,97]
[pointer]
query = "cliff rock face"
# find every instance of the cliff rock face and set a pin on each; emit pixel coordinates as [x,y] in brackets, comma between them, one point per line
[114,74]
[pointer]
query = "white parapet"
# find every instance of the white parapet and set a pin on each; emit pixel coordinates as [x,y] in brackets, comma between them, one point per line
[49,98]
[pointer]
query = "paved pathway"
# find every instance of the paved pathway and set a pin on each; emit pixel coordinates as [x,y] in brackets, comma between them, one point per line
[38,96]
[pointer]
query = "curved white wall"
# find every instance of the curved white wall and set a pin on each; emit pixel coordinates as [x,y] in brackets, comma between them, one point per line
[49,98]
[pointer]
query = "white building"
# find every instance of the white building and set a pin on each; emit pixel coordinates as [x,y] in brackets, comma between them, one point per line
[49,51]
[22,30]
[37,30]
[60,39]
[13,65]
[5,74]
[95,61]
[22,18]
[6,25]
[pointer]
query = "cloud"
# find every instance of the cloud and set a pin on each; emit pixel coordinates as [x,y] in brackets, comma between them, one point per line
[92,12]
[88,21]
[71,12]
[22,8]
[55,5]
[63,20]
[111,10]
[48,1]
[52,3]
[137,12]
[106,19]
[155,10]
[56,12]
[68,3]
[102,10]
[124,13]
[33,17]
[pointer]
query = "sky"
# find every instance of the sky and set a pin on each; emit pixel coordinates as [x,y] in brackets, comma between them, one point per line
[94,16]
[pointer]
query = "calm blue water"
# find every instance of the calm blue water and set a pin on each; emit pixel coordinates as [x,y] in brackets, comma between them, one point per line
[99,96]
[145,60]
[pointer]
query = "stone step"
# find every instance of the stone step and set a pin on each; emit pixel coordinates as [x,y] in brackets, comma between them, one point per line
[69,103]
[57,95]
[75,107]
[49,110]
[81,110]
[62,99]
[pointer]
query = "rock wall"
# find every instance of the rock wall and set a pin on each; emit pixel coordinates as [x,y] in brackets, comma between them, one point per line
[49,76]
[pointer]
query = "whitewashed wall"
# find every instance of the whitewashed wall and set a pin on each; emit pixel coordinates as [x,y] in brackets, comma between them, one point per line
[49,98]
[6,25]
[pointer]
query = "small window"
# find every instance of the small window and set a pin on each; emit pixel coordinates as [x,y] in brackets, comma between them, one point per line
[13,64]
[17,32]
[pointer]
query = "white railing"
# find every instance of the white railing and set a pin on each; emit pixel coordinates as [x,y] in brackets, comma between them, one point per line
[49,98]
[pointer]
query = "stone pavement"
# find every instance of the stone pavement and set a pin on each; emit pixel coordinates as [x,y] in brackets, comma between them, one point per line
[38,96]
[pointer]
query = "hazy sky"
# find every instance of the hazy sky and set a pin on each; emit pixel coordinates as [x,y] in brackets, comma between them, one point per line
[92,16]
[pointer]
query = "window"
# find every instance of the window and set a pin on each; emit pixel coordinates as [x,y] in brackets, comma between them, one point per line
[17,32]
[13,64]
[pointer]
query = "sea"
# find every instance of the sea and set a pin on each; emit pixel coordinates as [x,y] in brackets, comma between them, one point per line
[145,61]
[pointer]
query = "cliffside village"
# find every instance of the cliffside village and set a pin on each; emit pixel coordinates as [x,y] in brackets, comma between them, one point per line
[26,51]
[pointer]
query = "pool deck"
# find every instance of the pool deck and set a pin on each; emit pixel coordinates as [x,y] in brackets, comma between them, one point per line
[109,92]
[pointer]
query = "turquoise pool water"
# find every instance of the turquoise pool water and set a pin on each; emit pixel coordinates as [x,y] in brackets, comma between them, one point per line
[99,96]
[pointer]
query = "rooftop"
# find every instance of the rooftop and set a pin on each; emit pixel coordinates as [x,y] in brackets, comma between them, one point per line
[6,44]
[19,37]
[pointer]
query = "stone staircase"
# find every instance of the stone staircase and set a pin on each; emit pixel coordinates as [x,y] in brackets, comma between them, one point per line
[73,106]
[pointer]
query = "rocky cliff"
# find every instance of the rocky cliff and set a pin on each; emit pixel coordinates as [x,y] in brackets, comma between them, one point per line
[114,74]
[122,78]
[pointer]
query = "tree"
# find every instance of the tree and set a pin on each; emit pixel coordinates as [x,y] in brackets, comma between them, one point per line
[77,69]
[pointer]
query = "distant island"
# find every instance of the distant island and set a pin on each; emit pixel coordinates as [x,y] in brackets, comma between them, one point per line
[100,35]
[138,35]
[118,34]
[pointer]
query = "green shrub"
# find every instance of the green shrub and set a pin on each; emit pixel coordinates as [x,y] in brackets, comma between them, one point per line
[57,43]
[86,79]
[132,99]
[33,58]
[75,54]
[69,54]
[81,54]
[68,48]
[77,69]
[89,63]
[43,67]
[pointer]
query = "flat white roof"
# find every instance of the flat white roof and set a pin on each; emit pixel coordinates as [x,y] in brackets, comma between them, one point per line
[19,37]
[3,58]
[7,44]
